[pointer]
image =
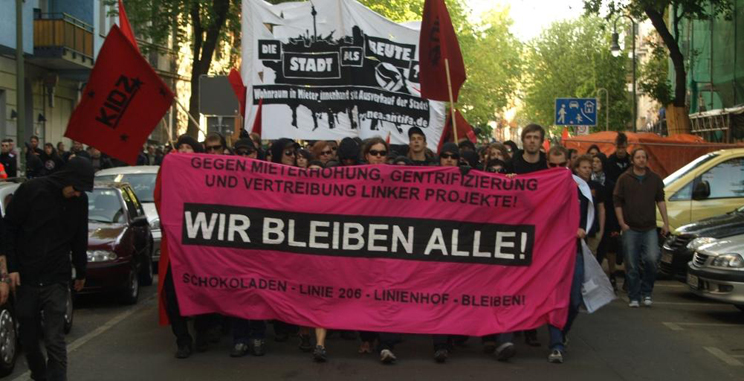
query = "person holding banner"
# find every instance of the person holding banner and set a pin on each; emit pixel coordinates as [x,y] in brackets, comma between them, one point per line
[558,157]
[417,147]
[167,290]
[531,159]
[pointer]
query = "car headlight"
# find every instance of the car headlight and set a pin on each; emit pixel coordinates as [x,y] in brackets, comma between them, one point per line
[729,261]
[697,242]
[155,224]
[101,255]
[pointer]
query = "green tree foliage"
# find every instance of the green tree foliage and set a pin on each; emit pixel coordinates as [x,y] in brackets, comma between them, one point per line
[202,24]
[572,59]
[654,78]
[667,27]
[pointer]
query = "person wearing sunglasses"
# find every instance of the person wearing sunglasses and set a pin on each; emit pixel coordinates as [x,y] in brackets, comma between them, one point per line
[323,151]
[215,143]
[244,147]
[284,151]
[450,155]
[375,151]
[348,152]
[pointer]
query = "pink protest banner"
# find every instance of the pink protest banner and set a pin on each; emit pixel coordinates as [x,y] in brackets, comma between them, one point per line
[375,248]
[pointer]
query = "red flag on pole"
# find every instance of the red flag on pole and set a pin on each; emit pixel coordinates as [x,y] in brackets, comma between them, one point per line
[462,125]
[258,123]
[126,28]
[437,43]
[236,81]
[122,103]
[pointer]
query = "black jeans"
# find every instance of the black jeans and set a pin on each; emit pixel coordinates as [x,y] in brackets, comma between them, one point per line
[30,302]
[243,330]
[179,323]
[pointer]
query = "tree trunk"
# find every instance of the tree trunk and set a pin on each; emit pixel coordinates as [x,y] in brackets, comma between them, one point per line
[204,51]
[681,124]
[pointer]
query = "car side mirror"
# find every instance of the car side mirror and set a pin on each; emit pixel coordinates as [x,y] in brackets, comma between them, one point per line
[139,222]
[701,191]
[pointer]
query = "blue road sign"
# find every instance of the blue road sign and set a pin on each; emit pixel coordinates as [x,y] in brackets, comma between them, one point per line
[575,112]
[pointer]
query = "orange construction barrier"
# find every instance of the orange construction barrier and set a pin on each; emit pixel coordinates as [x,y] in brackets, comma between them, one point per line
[665,154]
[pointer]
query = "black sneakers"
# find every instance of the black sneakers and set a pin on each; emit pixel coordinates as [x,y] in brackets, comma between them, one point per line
[440,355]
[239,350]
[305,344]
[258,347]
[183,352]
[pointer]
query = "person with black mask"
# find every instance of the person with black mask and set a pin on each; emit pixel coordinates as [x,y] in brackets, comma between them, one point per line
[46,221]
[348,151]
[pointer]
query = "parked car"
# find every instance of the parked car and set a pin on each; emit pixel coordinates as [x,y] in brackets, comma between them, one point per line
[710,185]
[717,271]
[142,179]
[679,247]
[119,242]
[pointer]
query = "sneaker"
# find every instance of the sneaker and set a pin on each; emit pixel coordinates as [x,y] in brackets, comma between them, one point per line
[555,357]
[647,301]
[184,351]
[258,347]
[239,350]
[366,347]
[305,344]
[505,351]
[387,356]
[489,347]
[440,355]
[319,354]
[202,344]
[634,304]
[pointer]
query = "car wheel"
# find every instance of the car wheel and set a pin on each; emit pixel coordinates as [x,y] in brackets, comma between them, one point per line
[8,341]
[130,293]
[146,272]
[69,315]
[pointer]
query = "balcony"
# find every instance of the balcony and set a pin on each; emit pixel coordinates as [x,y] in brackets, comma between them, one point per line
[62,42]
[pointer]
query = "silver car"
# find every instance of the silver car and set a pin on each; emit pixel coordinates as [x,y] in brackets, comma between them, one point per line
[142,179]
[717,271]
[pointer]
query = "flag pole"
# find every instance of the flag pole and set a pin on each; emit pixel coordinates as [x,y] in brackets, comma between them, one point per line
[452,100]
[191,117]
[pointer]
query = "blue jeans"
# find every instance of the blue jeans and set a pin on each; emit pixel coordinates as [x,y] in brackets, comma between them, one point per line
[640,247]
[556,334]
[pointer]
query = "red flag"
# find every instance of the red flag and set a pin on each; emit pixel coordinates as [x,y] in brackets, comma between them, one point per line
[258,123]
[122,103]
[126,28]
[438,42]
[236,81]
[463,129]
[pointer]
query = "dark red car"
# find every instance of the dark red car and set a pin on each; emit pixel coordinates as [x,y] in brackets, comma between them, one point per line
[119,243]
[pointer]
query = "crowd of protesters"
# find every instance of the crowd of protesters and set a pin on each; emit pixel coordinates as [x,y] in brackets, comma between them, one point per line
[600,172]
[624,193]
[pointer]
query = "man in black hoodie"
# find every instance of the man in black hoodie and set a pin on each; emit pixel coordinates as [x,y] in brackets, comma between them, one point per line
[46,221]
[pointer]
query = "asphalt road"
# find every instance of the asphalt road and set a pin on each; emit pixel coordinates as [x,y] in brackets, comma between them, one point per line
[682,337]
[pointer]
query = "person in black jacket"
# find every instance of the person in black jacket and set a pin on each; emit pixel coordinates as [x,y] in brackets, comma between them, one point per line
[50,160]
[45,223]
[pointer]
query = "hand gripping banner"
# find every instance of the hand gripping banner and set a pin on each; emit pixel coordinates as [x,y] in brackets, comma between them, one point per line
[374,248]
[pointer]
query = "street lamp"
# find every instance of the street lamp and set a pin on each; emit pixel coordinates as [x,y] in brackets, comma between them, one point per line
[615,48]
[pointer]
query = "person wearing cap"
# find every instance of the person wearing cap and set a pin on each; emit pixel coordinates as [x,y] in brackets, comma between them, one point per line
[417,147]
[246,148]
[284,151]
[450,155]
[46,234]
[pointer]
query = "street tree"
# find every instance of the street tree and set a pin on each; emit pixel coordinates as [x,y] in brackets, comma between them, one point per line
[667,27]
[571,59]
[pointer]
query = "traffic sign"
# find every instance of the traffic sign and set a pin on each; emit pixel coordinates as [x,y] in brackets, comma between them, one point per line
[575,112]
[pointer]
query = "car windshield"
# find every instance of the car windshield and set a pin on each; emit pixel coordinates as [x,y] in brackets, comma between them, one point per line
[689,167]
[104,206]
[143,184]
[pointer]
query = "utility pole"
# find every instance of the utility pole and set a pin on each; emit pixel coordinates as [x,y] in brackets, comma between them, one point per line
[20,84]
